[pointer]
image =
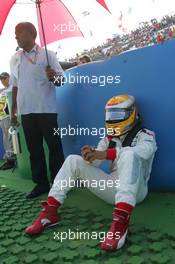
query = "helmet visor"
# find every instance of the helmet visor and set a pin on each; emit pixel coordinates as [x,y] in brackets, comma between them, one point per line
[117,114]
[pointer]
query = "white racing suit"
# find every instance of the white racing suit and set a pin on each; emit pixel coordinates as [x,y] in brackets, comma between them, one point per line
[129,171]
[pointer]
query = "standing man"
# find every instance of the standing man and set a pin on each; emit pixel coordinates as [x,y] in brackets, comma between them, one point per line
[10,159]
[34,97]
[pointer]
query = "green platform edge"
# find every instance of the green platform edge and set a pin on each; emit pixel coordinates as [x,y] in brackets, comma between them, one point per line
[151,238]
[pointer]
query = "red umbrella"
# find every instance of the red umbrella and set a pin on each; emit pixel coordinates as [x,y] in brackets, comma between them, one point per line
[52,15]
[5,6]
[103,3]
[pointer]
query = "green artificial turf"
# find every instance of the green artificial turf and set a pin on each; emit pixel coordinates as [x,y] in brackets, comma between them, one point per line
[151,238]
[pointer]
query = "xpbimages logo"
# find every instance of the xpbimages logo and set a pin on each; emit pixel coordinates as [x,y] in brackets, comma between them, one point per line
[85,131]
[101,184]
[82,235]
[101,80]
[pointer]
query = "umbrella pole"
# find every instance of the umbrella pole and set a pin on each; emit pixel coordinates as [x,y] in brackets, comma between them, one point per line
[38,3]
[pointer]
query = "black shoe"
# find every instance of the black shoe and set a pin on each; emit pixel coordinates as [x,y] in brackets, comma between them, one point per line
[37,191]
[9,164]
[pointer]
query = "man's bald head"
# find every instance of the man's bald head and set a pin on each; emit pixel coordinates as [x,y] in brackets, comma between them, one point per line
[25,34]
[28,27]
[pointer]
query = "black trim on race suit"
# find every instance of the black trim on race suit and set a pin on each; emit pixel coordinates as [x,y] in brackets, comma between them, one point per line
[130,136]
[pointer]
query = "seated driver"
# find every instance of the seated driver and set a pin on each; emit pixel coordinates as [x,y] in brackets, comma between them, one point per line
[130,149]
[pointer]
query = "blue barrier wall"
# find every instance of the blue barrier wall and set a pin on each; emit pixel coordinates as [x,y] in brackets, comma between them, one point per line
[1,145]
[146,73]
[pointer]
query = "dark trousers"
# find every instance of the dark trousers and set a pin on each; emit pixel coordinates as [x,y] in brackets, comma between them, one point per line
[36,128]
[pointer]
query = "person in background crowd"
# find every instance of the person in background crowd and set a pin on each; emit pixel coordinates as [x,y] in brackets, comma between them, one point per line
[84,59]
[34,97]
[9,157]
[173,30]
[160,38]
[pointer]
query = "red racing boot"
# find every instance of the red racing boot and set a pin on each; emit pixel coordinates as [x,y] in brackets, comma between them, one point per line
[47,218]
[117,234]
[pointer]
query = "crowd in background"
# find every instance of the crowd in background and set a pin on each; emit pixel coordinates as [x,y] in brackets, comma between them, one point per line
[148,33]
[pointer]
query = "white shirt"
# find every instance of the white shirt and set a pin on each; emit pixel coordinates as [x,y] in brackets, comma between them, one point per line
[4,102]
[36,94]
[4,91]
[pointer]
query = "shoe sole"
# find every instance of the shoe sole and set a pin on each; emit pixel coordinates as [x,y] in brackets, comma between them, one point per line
[122,240]
[120,243]
[32,198]
[52,225]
